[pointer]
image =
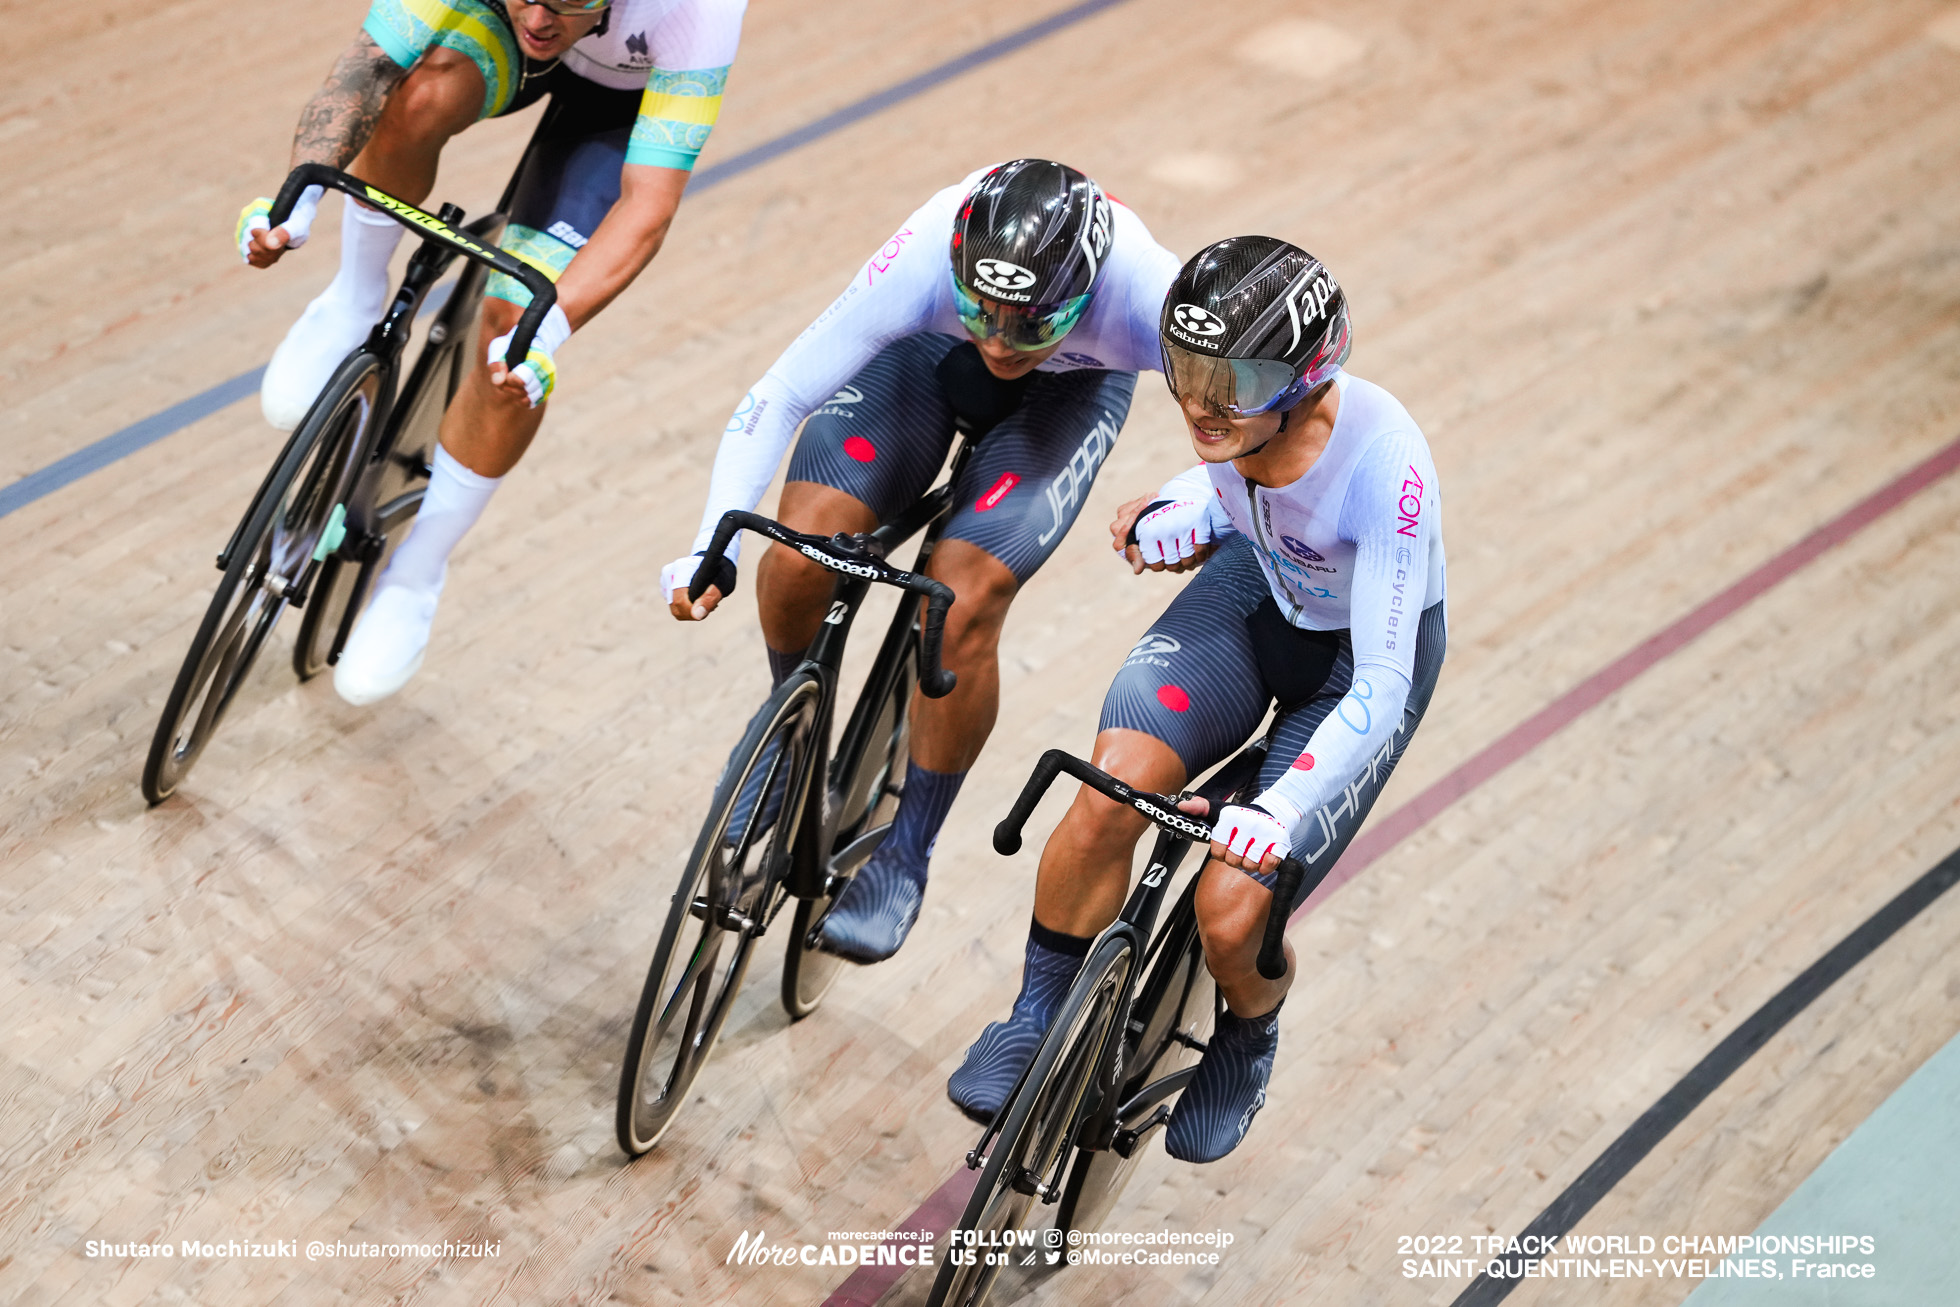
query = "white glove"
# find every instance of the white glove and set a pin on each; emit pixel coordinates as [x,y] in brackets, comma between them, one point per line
[679,574]
[1172,532]
[257,216]
[1257,829]
[537,372]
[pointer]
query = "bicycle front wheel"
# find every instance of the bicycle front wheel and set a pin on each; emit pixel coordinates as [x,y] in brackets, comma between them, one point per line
[727,891]
[270,561]
[1038,1123]
[867,781]
[1170,1020]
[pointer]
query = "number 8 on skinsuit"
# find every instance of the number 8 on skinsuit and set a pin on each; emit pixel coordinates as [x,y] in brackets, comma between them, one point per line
[1316,517]
[634,86]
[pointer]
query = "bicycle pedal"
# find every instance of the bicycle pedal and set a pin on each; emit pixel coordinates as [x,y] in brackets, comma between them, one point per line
[1189,1041]
[698,909]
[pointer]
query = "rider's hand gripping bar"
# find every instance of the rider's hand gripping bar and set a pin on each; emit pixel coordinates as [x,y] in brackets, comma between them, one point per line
[427,225]
[848,555]
[1163,813]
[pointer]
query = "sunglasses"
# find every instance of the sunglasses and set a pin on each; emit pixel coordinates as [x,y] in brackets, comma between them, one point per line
[1024,327]
[570,8]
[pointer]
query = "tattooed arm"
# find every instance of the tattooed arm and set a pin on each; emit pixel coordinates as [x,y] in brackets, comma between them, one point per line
[340,117]
[333,128]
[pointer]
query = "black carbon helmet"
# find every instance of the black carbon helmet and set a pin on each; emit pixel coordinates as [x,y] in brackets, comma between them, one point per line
[1263,304]
[1032,232]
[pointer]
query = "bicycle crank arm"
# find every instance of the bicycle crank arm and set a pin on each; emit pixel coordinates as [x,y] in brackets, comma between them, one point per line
[1127,1142]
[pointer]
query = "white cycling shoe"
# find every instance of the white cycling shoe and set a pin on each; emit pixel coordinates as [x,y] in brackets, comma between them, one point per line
[387,645]
[324,335]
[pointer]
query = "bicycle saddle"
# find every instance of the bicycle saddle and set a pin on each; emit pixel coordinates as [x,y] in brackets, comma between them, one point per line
[981,401]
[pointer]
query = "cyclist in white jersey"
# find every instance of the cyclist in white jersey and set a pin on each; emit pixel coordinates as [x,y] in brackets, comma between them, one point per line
[1026,290]
[635,86]
[1316,517]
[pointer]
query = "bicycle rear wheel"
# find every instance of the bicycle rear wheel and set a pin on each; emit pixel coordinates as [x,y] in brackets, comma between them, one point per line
[1175,1006]
[731,885]
[271,561]
[390,491]
[1038,1123]
[868,781]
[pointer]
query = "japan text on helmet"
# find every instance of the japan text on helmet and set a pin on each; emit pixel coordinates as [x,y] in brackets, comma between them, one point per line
[1032,237]
[1253,324]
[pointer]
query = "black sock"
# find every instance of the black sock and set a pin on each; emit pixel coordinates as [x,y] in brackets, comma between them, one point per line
[1075,946]
[782,664]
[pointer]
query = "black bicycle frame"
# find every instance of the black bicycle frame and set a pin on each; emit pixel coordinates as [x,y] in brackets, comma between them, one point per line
[1177,832]
[858,561]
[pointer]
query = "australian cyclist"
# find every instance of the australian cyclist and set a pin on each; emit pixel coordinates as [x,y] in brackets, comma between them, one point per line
[635,86]
[1316,517]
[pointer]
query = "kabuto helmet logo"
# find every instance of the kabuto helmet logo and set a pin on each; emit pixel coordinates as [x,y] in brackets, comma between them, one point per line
[1199,323]
[1031,231]
[999,277]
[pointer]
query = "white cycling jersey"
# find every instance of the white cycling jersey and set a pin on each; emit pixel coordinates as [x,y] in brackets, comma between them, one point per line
[1356,543]
[902,290]
[638,35]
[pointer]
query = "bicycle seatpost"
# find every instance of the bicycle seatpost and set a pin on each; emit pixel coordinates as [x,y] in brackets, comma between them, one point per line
[427,225]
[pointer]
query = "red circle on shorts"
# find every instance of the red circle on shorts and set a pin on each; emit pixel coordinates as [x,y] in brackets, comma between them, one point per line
[1173,698]
[860,449]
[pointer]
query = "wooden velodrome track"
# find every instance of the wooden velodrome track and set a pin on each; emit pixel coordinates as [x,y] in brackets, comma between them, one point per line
[1668,285]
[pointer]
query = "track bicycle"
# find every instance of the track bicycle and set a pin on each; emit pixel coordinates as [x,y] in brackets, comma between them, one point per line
[350,478]
[1122,1045]
[792,821]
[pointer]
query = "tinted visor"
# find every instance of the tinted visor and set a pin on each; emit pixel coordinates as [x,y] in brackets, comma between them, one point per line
[571,8]
[1023,326]
[1228,387]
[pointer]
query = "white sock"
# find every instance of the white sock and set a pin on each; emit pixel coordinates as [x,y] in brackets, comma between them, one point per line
[454,500]
[367,242]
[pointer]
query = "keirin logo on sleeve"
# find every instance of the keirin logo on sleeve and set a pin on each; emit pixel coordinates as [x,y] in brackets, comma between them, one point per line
[1151,649]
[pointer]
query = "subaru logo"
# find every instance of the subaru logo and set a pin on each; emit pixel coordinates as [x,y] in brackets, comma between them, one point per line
[1003,275]
[1197,321]
[1300,547]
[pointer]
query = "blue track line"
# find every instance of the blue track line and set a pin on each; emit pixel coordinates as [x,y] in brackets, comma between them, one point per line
[112,448]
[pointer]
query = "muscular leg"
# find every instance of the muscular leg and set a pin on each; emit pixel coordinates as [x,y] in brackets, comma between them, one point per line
[948,733]
[1085,868]
[1232,922]
[439,98]
[875,912]
[486,428]
[792,592]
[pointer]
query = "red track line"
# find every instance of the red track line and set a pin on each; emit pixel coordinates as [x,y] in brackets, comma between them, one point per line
[867,1284]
